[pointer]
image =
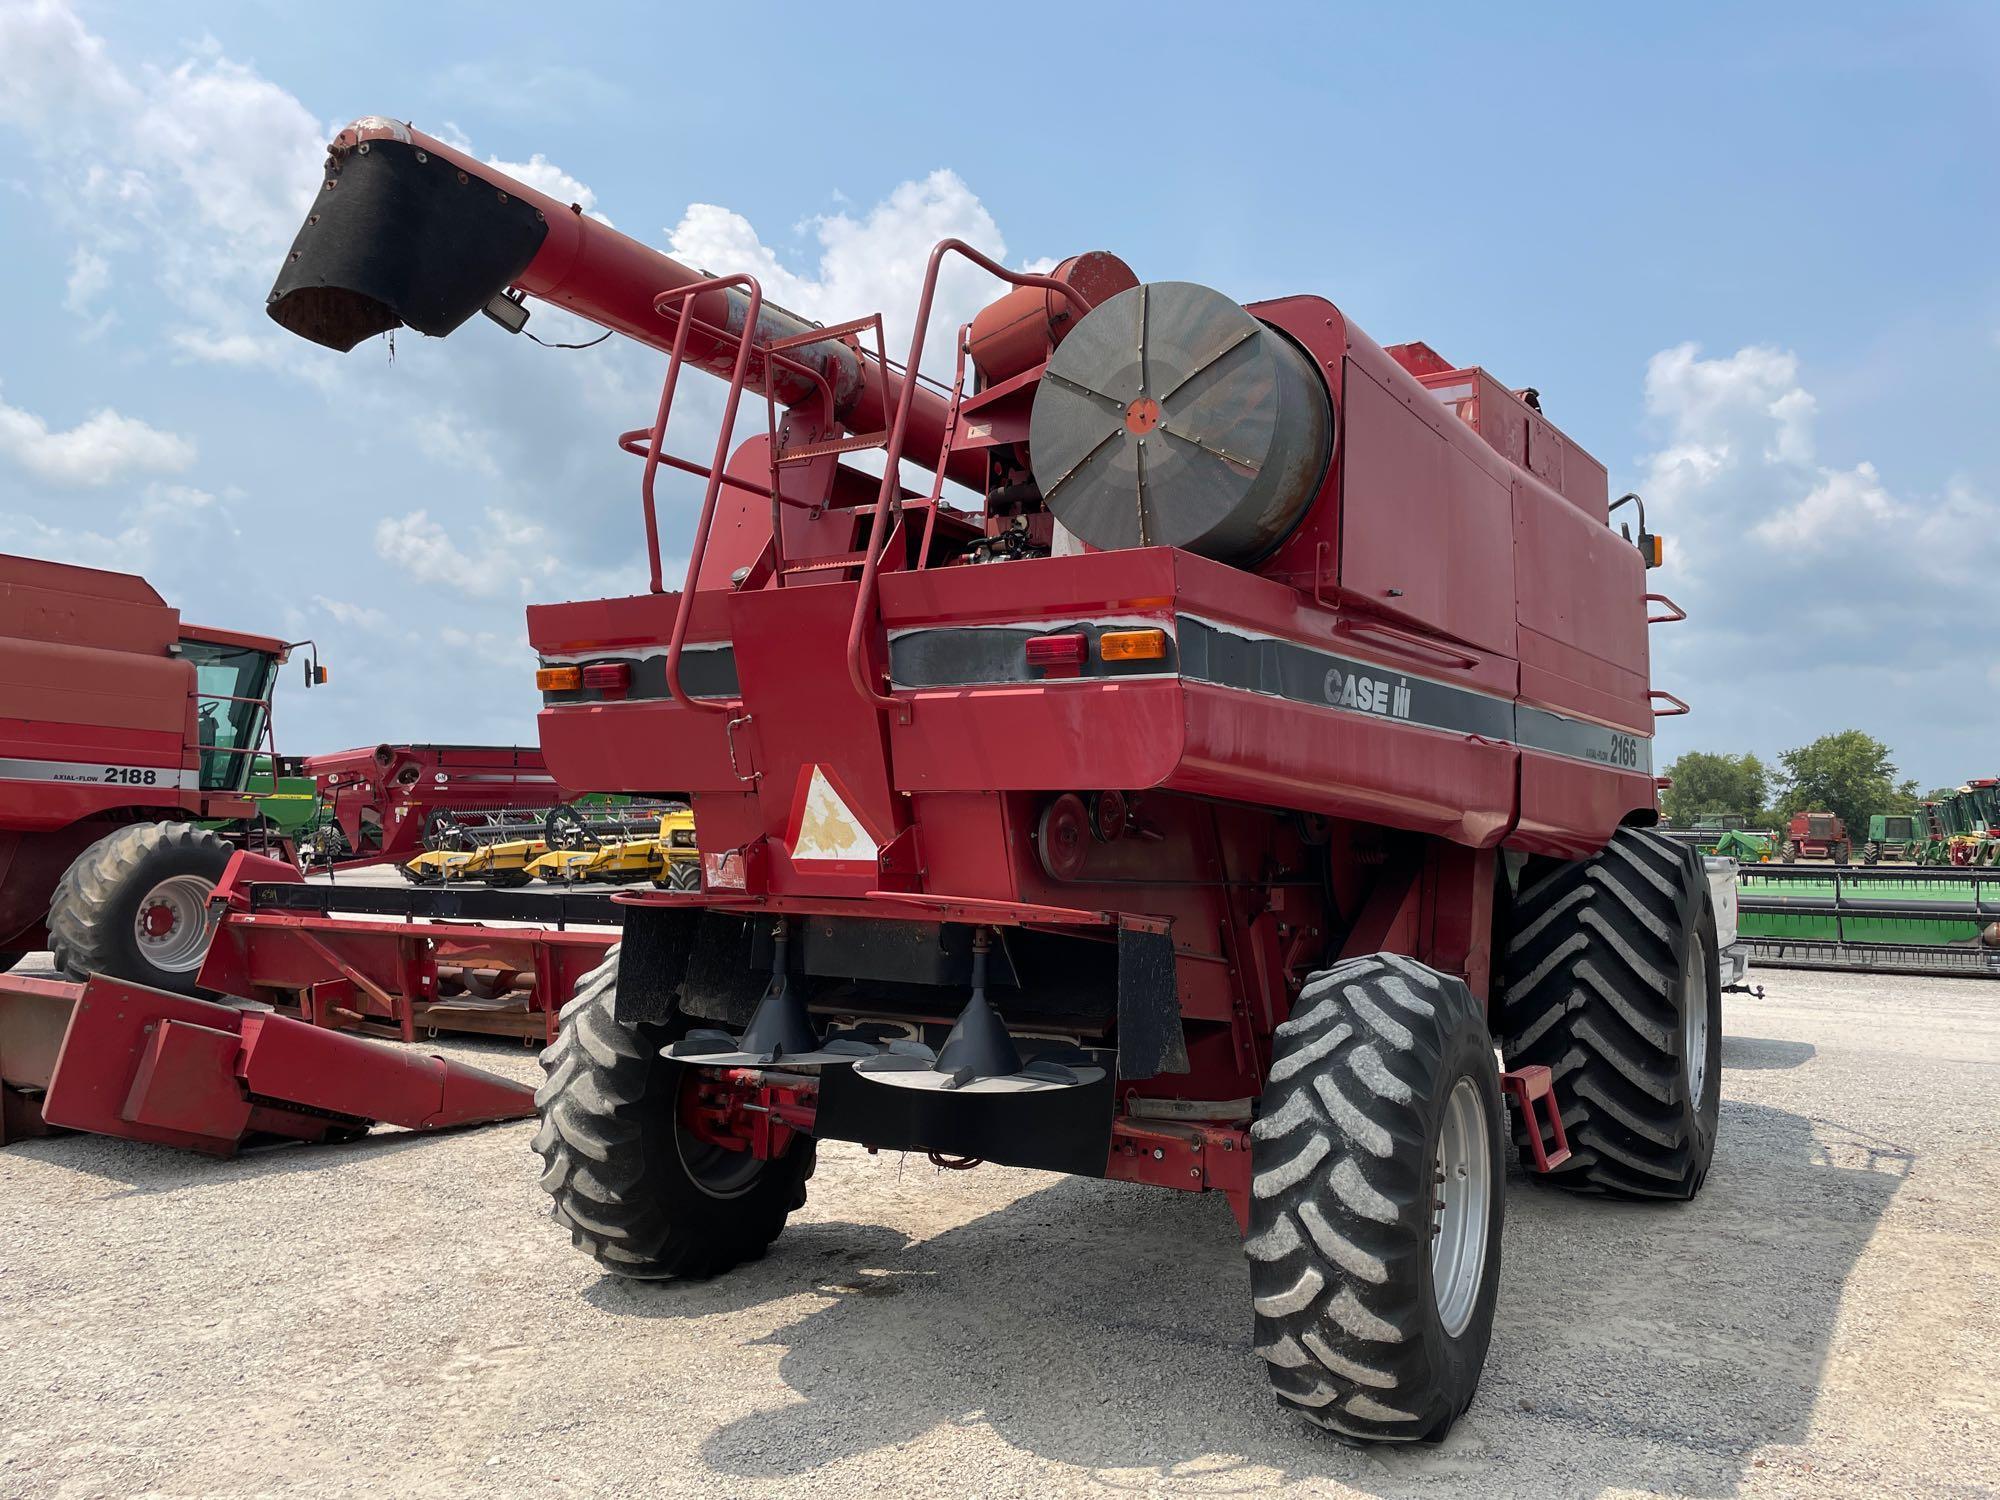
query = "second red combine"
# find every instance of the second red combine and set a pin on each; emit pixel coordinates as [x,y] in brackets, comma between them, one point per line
[1244,736]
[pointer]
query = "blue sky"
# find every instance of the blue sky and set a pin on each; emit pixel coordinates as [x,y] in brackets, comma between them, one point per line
[1745,253]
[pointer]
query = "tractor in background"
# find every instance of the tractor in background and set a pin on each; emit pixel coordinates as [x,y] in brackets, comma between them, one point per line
[1892,836]
[1817,835]
[130,746]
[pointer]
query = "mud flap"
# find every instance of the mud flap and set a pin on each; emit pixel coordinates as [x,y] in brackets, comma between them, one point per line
[653,954]
[1150,1040]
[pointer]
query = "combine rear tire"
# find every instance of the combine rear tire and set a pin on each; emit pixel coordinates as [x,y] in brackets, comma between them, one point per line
[1613,984]
[1375,1201]
[636,1191]
[134,905]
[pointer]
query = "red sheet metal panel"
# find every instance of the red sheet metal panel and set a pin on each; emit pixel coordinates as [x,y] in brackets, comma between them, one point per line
[1426,531]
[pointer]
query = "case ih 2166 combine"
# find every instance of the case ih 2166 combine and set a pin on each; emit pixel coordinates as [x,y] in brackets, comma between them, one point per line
[1204,800]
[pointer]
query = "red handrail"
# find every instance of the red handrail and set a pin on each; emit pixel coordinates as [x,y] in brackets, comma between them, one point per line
[1678,614]
[738,371]
[898,430]
[1679,707]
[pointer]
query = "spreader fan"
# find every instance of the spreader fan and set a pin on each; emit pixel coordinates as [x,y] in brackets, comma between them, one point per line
[979,1057]
[780,1033]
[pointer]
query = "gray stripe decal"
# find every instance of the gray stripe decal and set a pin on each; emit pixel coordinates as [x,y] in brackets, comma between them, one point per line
[98,773]
[707,671]
[965,656]
[1579,739]
[1305,674]
[960,656]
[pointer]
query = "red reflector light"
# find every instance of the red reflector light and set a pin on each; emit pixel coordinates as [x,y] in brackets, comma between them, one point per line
[608,676]
[1060,654]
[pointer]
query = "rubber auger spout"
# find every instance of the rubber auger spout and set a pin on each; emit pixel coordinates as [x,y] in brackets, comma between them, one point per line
[401,237]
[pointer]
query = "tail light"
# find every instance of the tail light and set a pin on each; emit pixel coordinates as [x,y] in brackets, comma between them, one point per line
[1059,655]
[608,676]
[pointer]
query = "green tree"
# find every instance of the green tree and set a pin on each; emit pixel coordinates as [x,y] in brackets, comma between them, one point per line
[1849,773]
[1708,783]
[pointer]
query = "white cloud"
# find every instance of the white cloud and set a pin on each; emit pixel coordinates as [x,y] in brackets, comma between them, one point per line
[1845,503]
[1822,595]
[512,553]
[89,275]
[105,446]
[871,264]
[358,616]
[146,533]
[544,176]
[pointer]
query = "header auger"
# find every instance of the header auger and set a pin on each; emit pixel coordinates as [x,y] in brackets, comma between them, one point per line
[1246,730]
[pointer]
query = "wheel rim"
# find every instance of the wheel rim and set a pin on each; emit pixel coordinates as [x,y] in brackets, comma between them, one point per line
[1694,1019]
[717,1172]
[1463,1175]
[171,926]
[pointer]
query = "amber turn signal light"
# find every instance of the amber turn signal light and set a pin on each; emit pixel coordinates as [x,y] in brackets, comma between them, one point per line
[1132,645]
[559,679]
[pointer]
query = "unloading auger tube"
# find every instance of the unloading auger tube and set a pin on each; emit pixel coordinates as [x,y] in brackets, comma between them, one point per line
[409,232]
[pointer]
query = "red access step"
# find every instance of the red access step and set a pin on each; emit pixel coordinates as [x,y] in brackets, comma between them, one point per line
[1524,1086]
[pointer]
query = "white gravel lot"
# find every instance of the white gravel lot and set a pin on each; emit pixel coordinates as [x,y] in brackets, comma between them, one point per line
[398,1316]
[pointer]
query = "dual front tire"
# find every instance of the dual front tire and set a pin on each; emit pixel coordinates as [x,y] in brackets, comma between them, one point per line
[1378,1168]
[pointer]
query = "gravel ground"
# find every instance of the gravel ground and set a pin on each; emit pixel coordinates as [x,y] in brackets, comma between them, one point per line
[398,1316]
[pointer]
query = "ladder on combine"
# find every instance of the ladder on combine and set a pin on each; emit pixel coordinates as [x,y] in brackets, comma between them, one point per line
[895,511]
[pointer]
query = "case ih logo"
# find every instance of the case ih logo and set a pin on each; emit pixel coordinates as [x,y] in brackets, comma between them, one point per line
[1368,695]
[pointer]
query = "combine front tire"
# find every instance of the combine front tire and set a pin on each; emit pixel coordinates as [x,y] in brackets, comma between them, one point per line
[638,1192]
[1791,852]
[1375,1201]
[1613,984]
[134,905]
[1871,853]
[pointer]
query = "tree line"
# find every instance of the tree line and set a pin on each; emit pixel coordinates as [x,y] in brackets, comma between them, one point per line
[1849,773]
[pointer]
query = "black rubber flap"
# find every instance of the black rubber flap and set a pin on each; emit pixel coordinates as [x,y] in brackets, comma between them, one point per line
[393,240]
[652,959]
[1150,1040]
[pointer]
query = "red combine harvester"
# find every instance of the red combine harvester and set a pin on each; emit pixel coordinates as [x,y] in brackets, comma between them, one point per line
[1817,835]
[121,728]
[1260,740]
[383,799]
[124,728]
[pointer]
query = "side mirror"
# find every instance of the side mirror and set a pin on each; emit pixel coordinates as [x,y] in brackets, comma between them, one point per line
[315,674]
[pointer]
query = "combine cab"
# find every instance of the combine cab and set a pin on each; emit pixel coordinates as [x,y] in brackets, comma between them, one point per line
[1242,736]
